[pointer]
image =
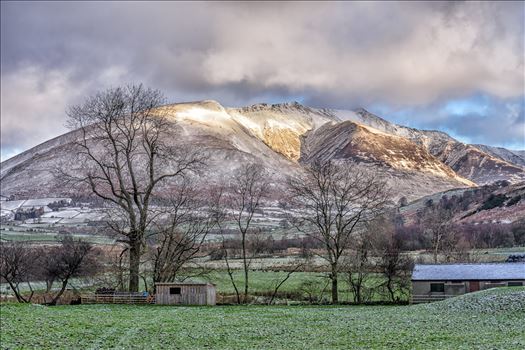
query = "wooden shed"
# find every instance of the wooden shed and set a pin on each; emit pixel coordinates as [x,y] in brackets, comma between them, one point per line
[180,293]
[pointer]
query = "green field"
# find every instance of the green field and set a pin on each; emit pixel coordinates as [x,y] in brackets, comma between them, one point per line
[493,319]
[264,283]
[35,237]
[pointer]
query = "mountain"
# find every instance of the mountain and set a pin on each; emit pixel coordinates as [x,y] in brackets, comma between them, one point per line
[513,157]
[284,138]
[478,163]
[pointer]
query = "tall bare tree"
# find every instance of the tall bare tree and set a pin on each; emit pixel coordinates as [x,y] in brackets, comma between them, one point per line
[125,158]
[336,201]
[242,200]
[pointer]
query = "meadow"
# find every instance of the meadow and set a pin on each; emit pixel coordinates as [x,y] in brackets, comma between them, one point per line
[492,319]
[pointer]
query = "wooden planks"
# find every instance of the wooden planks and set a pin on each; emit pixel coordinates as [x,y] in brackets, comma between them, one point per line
[131,298]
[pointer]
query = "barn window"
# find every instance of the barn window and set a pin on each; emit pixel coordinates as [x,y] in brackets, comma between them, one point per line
[175,290]
[437,287]
[515,284]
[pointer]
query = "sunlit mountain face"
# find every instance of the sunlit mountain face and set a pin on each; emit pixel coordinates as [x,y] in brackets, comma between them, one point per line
[285,138]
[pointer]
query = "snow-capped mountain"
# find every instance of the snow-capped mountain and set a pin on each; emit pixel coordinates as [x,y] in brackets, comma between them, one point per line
[284,138]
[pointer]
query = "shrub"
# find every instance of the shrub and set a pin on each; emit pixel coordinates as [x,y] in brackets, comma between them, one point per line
[494,201]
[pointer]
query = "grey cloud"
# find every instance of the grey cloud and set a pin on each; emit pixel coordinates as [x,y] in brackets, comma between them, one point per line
[329,54]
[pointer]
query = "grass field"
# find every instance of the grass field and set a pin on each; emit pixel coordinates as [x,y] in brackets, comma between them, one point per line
[493,319]
[43,237]
[264,282]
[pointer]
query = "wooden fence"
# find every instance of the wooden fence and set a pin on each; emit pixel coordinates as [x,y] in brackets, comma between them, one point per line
[117,298]
[417,299]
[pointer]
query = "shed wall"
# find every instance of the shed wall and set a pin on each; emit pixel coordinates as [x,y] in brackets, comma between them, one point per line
[190,295]
[421,289]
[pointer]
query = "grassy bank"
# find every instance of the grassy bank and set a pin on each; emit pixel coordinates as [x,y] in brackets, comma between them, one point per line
[488,319]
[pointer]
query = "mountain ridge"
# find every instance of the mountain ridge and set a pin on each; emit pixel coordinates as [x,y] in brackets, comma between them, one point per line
[285,138]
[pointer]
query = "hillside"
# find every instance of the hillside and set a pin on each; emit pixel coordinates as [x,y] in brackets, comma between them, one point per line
[496,203]
[284,138]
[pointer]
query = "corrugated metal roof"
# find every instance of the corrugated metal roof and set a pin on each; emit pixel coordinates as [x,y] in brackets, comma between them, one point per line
[496,271]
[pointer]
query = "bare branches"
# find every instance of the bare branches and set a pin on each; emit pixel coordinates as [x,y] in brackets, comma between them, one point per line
[336,200]
[70,259]
[124,147]
[180,236]
[438,226]
[18,263]
[393,265]
[242,200]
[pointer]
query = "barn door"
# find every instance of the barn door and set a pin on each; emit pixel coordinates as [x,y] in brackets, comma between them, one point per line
[474,286]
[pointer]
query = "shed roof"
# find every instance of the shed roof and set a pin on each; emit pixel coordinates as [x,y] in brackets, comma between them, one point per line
[494,272]
[192,283]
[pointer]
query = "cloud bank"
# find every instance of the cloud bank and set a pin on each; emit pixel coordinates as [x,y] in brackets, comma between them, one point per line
[410,61]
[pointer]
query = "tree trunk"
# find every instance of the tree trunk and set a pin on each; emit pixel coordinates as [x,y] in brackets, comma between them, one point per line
[245,282]
[55,299]
[49,284]
[335,292]
[17,293]
[134,265]
[245,265]
[391,290]
[357,298]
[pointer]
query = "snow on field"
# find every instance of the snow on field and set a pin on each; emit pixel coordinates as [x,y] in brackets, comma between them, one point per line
[11,205]
[94,215]
[7,214]
[43,201]
[75,220]
[62,214]
[48,220]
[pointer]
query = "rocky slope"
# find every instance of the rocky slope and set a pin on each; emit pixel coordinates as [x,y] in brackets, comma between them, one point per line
[284,138]
[510,156]
[478,163]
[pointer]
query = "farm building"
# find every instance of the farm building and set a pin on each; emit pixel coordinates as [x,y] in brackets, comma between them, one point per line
[441,281]
[179,293]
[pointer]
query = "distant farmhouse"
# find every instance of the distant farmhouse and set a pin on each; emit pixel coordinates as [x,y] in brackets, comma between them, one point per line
[441,281]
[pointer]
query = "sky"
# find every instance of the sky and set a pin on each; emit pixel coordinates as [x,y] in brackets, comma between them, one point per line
[451,66]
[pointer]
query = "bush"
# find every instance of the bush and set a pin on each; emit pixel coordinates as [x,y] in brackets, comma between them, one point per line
[514,200]
[493,201]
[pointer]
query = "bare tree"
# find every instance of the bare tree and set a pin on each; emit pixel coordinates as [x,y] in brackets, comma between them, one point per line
[179,239]
[18,263]
[70,259]
[279,283]
[125,158]
[337,200]
[244,197]
[394,266]
[358,266]
[437,225]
